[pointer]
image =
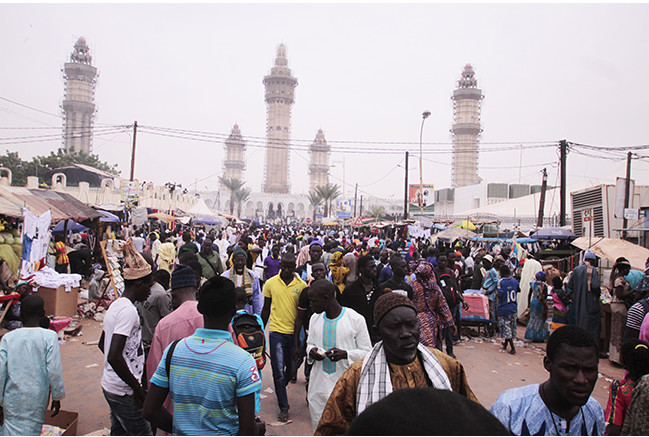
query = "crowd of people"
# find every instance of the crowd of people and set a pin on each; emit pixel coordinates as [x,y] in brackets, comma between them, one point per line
[365,316]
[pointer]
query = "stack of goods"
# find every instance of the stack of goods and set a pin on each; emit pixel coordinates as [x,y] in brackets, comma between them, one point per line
[10,249]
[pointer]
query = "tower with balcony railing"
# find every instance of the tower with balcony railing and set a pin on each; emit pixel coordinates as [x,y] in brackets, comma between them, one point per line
[280,93]
[79,101]
[467,99]
[319,162]
[235,155]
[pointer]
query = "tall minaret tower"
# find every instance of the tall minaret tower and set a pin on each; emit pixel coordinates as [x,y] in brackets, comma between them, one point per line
[280,91]
[466,129]
[79,102]
[319,166]
[235,155]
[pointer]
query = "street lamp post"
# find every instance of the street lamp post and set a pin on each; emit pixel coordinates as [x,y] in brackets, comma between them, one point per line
[424,116]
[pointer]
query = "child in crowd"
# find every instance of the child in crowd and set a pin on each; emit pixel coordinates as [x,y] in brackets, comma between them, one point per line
[561,300]
[635,359]
[508,289]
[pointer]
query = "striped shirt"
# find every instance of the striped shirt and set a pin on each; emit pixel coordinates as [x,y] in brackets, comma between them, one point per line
[635,315]
[208,374]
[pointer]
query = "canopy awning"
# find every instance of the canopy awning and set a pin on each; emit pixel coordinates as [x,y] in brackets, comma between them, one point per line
[73,227]
[163,217]
[613,248]
[9,208]
[62,205]
[227,216]
[107,216]
[452,234]
[207,220]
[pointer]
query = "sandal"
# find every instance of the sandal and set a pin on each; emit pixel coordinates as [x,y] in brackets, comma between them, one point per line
[283,416]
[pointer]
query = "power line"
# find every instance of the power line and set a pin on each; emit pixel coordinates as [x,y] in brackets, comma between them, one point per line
[217,138]
[29,107]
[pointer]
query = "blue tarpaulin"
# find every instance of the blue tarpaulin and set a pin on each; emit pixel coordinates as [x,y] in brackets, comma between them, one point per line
[73,227]
[207,220]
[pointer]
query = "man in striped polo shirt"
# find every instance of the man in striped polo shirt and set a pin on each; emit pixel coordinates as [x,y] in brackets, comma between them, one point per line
[211,381]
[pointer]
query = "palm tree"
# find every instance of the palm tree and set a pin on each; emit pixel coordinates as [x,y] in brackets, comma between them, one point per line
[240,196]
[314,200]
[328,193]
[233,185]
[376,211]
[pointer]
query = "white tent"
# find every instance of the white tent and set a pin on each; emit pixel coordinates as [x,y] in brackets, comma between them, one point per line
[201,208]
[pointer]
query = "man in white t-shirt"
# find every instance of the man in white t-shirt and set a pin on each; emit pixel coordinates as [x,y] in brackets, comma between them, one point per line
[121,343]
[138,241]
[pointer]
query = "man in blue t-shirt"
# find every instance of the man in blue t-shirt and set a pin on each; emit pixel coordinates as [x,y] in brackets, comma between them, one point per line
[203,404]
[507,307]
[562,405]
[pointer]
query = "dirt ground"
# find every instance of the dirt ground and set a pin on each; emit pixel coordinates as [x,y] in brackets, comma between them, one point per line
[489,371]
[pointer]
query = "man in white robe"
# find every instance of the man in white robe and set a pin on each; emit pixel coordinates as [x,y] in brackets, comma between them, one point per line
[337,337]
[30,367]
[529,271]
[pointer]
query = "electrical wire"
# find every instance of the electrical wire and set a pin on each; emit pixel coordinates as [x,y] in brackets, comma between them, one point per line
[29,107]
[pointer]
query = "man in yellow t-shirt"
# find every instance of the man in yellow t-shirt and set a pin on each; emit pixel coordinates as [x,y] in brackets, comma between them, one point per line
[281,295]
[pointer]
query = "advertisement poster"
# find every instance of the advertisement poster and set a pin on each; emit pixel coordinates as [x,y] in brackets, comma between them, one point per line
[130,192]
[428,197]
[344,208]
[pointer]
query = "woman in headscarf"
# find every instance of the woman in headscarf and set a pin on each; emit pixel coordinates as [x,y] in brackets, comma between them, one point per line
[338,271]
[537,330]
[432,310]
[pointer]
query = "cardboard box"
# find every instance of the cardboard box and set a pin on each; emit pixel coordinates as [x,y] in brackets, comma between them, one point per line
[67,420]
[59,302]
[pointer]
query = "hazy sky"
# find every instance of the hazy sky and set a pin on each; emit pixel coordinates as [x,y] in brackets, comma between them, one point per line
[366,72]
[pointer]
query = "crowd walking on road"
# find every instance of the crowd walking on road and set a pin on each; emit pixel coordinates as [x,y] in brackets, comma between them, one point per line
[371,318]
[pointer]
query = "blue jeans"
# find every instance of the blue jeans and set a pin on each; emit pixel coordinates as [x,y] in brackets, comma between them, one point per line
[126,416]
[281,360]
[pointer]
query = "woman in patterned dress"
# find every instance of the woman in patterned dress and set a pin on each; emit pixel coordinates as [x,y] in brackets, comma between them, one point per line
[537,330]
[432,310]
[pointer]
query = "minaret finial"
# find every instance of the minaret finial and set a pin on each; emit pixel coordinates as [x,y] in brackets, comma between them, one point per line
[81,53]
[280,60]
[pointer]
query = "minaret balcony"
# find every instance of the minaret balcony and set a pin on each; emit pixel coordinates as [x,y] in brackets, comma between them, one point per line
[234,164]
[318,168]
[466,129]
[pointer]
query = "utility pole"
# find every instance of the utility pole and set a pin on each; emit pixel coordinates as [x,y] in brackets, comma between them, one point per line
[562,163]
[355,197]
[361,213]
[424,116]
[133,152]
[544,185]
[405,193]
[627,189]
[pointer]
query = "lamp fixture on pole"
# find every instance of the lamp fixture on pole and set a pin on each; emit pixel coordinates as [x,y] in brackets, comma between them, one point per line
[424,116]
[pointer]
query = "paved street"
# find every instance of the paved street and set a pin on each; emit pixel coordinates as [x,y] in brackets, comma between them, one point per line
[489,372]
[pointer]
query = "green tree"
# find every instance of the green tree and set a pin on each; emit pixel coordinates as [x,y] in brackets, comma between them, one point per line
[240,196]
[43,166]
[314,200]
[328,193]
[13,162]
[232,185]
